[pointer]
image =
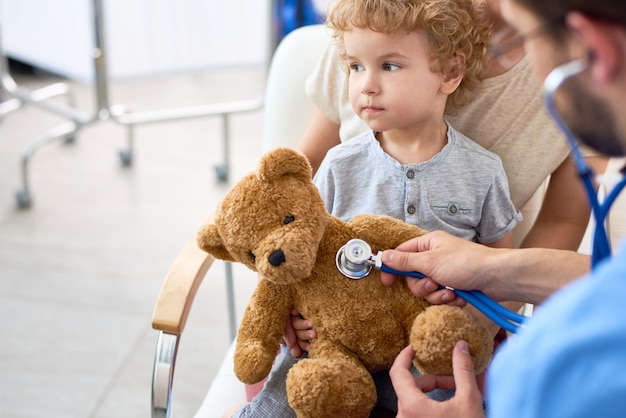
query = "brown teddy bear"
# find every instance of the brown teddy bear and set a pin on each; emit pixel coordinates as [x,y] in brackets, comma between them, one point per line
[275,222]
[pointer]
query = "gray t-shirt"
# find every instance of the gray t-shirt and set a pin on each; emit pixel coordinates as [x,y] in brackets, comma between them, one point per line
[462,190]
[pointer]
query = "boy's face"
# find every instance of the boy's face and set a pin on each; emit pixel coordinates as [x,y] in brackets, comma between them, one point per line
[391,84]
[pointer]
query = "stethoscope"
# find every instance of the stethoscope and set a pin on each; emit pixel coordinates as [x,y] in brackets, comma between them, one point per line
[355,259]
[601,247]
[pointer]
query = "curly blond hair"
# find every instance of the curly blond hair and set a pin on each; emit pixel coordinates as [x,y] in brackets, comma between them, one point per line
[451,26]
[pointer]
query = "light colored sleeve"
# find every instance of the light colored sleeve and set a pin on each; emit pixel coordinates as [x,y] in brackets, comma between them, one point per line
[324,180]
[327,87]
[499,215]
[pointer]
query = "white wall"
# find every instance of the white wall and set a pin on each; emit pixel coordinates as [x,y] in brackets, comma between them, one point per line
[143,37]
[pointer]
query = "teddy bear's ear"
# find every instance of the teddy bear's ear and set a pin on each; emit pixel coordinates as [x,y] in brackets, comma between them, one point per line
[209,240]
[282,162]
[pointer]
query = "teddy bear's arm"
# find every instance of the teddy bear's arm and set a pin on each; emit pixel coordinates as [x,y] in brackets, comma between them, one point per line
[383,232]
[260,331]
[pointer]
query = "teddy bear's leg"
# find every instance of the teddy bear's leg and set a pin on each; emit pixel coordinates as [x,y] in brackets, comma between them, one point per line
[435,332]
[336,387]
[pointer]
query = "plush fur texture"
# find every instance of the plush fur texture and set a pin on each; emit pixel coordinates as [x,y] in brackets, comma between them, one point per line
[275,222]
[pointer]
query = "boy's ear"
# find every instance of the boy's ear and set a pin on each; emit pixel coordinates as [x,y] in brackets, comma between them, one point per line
[454,74]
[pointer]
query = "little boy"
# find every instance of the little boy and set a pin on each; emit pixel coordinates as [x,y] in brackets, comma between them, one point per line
[408,60]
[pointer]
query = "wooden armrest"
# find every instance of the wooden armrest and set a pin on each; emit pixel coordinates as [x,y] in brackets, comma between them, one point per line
[179,289]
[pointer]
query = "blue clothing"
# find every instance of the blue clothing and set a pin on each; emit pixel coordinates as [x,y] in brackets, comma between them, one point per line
[569,362]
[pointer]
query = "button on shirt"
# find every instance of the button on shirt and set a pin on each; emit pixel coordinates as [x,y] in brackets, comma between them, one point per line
[462,190]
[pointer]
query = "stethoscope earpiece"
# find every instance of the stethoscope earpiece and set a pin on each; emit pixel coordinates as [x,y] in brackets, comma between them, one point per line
[554,80]
[591,56]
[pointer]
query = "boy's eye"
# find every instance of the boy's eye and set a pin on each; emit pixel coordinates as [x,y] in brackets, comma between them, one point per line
[252,256]
[289,219]
[390,67]
[354,67]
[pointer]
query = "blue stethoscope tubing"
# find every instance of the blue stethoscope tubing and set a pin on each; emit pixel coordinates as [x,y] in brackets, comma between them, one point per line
[601,248]
[500,315]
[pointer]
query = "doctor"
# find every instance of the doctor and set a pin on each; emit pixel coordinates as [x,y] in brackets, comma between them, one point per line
[570,360]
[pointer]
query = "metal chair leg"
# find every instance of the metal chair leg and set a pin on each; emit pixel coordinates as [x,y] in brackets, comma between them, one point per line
[64,131]
[104,111]
[163,374]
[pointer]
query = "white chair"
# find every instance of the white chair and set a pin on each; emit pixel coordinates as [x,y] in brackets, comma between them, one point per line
[286,113]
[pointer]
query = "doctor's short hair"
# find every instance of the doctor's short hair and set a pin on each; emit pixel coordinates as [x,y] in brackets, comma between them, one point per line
[552,10]
[450,26]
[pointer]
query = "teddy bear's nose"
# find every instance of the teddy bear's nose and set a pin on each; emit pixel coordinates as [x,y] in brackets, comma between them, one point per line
[276,258]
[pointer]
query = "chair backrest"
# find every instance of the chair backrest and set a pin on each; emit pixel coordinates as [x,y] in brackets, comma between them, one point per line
[287,108]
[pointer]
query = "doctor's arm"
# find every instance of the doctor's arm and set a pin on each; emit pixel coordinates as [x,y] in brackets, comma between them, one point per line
[559,226]
[523,275]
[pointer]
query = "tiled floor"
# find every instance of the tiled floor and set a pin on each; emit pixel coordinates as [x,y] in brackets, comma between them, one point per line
[81,269]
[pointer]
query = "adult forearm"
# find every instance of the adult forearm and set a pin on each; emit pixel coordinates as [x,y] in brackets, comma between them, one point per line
[532,274]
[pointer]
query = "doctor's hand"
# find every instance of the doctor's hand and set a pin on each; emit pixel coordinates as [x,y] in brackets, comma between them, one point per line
[298,333]
[445,260]
[412,399]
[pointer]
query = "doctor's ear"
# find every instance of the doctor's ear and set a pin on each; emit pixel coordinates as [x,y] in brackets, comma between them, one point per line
[591,57]
[605,55]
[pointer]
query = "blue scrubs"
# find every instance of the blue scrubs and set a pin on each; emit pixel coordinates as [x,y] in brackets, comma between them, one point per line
[570,360]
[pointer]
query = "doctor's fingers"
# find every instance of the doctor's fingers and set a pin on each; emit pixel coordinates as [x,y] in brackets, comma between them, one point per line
[431,291]
[467,392]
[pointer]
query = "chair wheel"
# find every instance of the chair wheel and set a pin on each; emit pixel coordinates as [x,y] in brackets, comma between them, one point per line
[69,140]
[221,171]
[126,157]
[24,199]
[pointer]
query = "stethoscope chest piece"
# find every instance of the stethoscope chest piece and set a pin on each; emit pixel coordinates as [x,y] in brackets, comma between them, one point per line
[352,259]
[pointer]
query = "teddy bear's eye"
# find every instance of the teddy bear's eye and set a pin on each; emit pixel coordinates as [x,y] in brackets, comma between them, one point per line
[288,219]
[252,256]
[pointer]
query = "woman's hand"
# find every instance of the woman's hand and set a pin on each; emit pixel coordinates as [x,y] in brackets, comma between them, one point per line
[298,333]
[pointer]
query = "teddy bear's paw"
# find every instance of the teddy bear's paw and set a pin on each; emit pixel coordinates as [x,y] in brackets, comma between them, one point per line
[252,361]
[319,388]
[436,331]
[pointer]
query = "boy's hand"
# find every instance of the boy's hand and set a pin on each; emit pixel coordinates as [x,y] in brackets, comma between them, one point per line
[298,333]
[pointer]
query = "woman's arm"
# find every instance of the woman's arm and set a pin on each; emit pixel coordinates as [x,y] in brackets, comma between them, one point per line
[321,135]
[564,214]
[504,242]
